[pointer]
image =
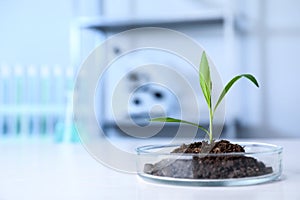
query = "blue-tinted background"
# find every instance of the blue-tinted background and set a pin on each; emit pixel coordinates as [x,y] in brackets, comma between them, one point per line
[42,44]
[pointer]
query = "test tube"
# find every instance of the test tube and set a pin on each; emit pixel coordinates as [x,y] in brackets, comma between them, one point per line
[45,97]
[19,97]
[32,99]
[59,101]
[5,77]
[71,133]
[24,108]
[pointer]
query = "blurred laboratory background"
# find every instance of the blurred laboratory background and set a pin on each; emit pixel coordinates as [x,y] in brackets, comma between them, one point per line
[43,43]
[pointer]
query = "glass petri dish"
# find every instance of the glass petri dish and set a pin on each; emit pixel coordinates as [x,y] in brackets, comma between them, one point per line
[260,163]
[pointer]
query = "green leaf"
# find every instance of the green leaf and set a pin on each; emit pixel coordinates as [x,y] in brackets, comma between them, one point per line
[205,80]
[169,119]
[231,82]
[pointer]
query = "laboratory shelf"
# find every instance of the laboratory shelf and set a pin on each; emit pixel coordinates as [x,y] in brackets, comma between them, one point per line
[118,24]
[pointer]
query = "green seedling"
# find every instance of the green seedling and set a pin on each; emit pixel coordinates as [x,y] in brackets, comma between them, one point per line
[206,87]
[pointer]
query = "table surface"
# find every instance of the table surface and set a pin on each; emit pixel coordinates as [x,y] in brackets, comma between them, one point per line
[47,170]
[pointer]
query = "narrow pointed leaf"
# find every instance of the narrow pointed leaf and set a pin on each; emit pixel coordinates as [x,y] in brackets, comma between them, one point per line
[169,119]
[205,80]
[205,91]
[230,84]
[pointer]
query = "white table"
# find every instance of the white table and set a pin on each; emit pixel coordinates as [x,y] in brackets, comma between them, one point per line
[44,170]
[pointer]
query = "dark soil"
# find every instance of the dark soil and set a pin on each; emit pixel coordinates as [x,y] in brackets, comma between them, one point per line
[207,166]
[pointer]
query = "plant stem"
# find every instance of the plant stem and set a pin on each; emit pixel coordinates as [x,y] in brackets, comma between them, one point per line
[211,116]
